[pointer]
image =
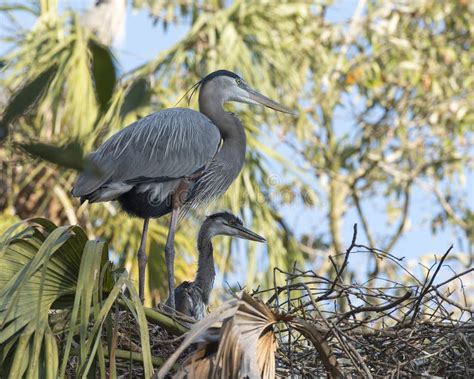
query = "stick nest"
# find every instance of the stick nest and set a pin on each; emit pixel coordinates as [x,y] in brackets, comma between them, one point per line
[381,328]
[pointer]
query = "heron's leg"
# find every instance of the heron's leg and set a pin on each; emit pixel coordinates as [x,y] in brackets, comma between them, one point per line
[169,256]
[142,259]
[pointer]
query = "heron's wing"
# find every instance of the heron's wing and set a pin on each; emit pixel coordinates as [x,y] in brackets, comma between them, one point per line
[188,297]
[163,146]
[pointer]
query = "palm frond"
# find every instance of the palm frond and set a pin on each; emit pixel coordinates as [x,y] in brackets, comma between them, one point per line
[55,283]
[239,342]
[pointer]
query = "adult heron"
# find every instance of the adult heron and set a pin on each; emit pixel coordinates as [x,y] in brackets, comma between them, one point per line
[192,298]
[174,160]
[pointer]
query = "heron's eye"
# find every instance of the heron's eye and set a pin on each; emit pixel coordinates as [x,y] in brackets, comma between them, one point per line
[238,81]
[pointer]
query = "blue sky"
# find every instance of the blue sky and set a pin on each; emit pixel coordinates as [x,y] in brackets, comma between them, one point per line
[143,41]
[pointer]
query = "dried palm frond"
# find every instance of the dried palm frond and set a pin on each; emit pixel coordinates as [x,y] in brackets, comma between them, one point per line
[238,340]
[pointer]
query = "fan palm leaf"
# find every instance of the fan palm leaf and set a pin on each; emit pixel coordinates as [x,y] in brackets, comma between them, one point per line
[54,278]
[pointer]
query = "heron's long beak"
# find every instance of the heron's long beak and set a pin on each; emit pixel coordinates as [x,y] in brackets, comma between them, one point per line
[248,234]
[261,99]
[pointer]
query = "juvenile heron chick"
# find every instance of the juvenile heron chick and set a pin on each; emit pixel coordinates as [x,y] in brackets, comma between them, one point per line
[193,297]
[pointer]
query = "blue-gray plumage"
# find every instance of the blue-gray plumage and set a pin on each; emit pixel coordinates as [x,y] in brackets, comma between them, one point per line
[192,298]
[174,160]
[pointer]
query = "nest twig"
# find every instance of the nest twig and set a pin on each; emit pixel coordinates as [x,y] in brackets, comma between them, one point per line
[380,328]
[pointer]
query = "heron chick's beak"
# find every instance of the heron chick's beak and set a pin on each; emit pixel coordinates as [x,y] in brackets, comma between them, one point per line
[265,101]
[248,234]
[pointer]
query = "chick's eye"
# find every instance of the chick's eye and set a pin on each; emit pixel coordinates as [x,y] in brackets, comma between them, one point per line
[238,81]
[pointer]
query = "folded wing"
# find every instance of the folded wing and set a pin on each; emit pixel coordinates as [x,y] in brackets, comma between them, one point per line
[161,147]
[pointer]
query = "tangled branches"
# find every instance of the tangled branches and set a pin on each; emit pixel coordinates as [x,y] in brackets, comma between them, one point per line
[380,328]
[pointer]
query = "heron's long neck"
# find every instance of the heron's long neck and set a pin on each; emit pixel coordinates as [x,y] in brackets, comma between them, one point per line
[206,272]
[232,130]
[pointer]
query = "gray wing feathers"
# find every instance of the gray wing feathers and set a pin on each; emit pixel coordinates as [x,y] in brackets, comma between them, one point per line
[189,300]
[168,144]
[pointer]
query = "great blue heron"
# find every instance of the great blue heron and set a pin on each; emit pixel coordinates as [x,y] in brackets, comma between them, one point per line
[173,160]
[193,297]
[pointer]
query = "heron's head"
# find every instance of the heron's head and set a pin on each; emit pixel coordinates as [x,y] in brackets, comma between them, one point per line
[226,224]
[231,87]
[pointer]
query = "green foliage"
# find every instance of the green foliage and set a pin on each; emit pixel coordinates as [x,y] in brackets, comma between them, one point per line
[135,96]
[69,156]
[25,98]
[56,283]
[103,72]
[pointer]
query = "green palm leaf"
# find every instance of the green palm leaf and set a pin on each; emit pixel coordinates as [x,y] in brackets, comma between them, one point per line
[47,270]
